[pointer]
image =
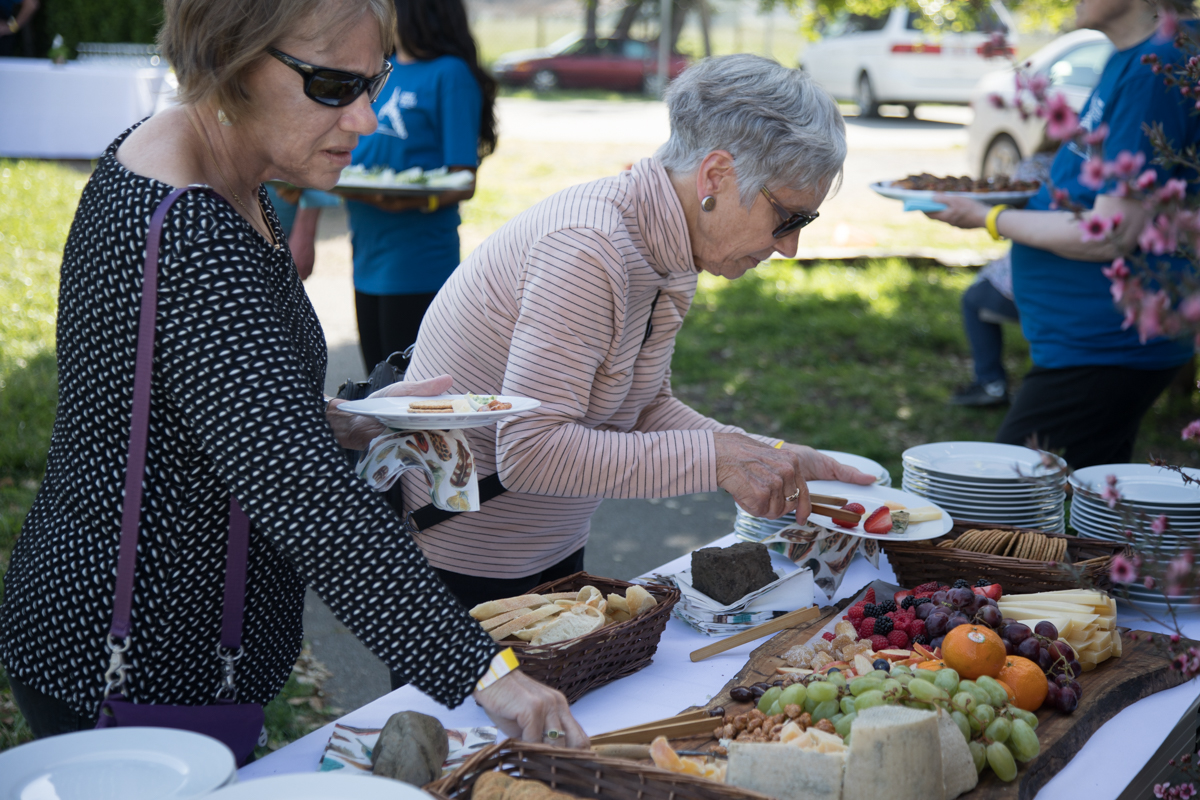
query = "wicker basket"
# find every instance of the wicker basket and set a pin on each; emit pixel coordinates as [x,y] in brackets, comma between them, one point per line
[916,563]
[577,666]
[583,773]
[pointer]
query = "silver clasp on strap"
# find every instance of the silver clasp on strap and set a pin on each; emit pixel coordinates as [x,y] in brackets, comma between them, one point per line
[409,524]
[229,658]
[114,676]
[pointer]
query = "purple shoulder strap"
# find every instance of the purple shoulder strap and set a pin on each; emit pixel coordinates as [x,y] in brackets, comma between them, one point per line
[239,524]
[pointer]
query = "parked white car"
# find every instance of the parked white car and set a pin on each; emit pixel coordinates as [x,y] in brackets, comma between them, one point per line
[998,139]
[904,59]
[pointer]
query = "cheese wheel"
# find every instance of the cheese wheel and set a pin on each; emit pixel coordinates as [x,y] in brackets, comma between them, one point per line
[895,751]
[786,771]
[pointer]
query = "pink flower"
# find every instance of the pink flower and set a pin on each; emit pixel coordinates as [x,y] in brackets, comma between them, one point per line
[1148,582]
[996,101]
[1159,236]
[1095,228]
[1146,181]
[1189,309]
[1122,570]
[1174,190]
[1059,197]
[1150,319]
[1159,525]
[1168,24]
[1118,271]
[1127,164]
[1038,84]
[1110,493]
[1177,573]
[1191,432]
[1093,174]
[1061,120]
[1097,136]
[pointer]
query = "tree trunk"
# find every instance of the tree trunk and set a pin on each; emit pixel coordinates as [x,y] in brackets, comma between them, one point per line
[628,17]
[704,23]
[590,18]
[678,18]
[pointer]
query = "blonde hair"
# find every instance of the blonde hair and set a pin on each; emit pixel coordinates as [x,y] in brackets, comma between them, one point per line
[214,44]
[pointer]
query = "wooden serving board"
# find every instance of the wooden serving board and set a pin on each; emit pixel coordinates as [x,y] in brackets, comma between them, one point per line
[1142,670]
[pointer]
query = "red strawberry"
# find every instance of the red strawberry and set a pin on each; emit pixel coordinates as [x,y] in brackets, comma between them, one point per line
[992,591]
[827,636]
[866,628]
[879,643]
[880,521]
[898,639]
[869,597]
[900,595]
[855,508]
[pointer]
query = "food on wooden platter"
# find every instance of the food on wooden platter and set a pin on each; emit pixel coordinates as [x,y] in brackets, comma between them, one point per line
[499,786]
[1085,619]
[557,617]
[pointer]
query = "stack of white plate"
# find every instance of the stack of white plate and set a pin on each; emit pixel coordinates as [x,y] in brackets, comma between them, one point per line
[1000,484]
[117,764]
[1147,491]
[321,786]
[750,528]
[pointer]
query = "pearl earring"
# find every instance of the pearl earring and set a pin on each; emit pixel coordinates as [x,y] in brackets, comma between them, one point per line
[221,118]
[708,203]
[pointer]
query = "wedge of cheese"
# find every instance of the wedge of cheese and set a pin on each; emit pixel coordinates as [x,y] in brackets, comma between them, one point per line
[958,767]
[895,751]
[786,771]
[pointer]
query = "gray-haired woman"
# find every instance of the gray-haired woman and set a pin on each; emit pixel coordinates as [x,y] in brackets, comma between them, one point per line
[269,89]
[577,302]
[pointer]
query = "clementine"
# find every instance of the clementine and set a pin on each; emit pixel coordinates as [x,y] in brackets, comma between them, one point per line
[1012,696]
[1027,681]
[931,665]
[974,650]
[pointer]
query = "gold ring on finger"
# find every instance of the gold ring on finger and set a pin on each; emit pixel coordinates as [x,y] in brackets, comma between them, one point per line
[793,496]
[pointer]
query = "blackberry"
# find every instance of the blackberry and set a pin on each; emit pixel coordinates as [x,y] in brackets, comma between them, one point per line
[920,601]
[921,639]
[962,583]
[883,625]
[983,582]
[871,610]
[887,606]
[908,602]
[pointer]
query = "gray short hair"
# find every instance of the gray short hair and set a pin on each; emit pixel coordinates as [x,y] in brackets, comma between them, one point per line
[782,129]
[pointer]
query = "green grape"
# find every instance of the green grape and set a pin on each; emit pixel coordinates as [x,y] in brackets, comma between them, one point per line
[879,674]
[960,719]
[923,675]
[834,719]
[965,701]
[1024,741]
[900,669]
[946,680]
[842,726]
[973,721]
[825,710]
[810,703]
[776,708]
[903,678]
[847,705]
[837,679]
[768,699]
[1000,759]
[975,690]
[891,685]
[984,713]
[793,695]
[923,690]
[864,684]
[979,754]
[849,733]
[868,699]
[996,694]
[822,692]
[999,730]
[1028,718]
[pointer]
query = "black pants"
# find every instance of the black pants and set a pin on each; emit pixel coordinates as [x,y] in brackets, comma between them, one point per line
[46,715]
[471,590]
[387,323]
[1091,414]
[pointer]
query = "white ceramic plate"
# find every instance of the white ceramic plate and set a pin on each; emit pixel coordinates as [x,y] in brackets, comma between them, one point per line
[321,786]
[1017,504]
[862,464]
[890,190]
[1143,484]
[116,764]
[393,412]
[1012,488]
[984,462]
[872,497]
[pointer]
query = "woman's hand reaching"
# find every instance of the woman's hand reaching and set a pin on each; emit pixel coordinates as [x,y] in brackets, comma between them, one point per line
[527,710]
[355,432]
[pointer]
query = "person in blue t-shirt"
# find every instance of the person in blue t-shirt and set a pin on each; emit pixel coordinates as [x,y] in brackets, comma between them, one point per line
[1092,379]
[436,111]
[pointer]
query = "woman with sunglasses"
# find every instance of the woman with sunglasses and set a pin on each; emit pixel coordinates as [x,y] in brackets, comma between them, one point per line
[437,111]
[268,89]
[577,301]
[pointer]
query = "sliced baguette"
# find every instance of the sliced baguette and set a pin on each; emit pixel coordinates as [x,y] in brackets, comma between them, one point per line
[494,607]
[509,628]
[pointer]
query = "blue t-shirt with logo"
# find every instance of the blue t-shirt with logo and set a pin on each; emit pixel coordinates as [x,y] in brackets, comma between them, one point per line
[429,116]
[1067,310]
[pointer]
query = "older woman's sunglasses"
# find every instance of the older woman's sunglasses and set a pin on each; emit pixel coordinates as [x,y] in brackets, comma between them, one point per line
[791,222]
[335,87]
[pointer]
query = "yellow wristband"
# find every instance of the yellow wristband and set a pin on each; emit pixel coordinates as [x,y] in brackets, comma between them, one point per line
[992,215]
[779,445]
[13,25]
[433,204]
[504,662]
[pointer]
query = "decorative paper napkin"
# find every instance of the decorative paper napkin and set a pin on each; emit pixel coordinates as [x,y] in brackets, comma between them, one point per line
[444,457]
[351,748]
[826,552]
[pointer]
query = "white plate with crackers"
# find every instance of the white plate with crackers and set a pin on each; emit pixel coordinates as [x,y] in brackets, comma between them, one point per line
[447,412]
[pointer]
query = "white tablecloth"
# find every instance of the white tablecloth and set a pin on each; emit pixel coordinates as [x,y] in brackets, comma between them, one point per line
[1102,769]
[74,110]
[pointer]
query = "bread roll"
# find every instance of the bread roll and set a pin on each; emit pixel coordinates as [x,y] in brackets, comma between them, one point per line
[640,601]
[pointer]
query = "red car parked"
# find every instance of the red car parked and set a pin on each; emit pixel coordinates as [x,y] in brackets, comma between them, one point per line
[626,65]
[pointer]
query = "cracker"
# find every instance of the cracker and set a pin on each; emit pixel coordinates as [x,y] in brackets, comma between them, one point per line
[985,545]
[1011,547]
[965,541]
[1062,550]
[1002,546]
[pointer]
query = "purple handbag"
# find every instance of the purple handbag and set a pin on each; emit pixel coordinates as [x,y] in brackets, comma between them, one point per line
[238,725]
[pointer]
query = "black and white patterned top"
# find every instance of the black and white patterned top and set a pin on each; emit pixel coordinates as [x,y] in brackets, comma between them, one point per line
[237,403]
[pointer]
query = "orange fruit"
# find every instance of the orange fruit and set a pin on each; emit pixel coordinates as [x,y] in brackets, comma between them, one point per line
[933,665]
[1012,696]
[974,650]
[1027,682]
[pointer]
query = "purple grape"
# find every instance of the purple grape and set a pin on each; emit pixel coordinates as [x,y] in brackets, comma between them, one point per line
[987,601]
[1067,700]
[990,616]
[1044,660]
[936,624]
[1010,648]
[939,597]
[1076,688]
[1063,649]
[925,609]
[1046,629]
[936,643]
[1076,669]
[1029,648]
[960,598]
[1053,694]
[1017,633]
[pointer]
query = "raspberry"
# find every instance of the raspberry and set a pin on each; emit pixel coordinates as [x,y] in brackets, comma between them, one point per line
[901,625]
[872,610]
[855,614]
[866,628]
[929,588]
[870,595]
[879,643]
[883,626]
[916,628]
[898,639]
[827,636]
[888,605]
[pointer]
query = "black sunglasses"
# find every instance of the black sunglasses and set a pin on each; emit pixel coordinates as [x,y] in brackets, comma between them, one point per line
[335,87]
[791,222]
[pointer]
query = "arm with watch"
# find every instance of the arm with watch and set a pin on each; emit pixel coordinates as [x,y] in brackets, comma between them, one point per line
[1055,231]
[20,19]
